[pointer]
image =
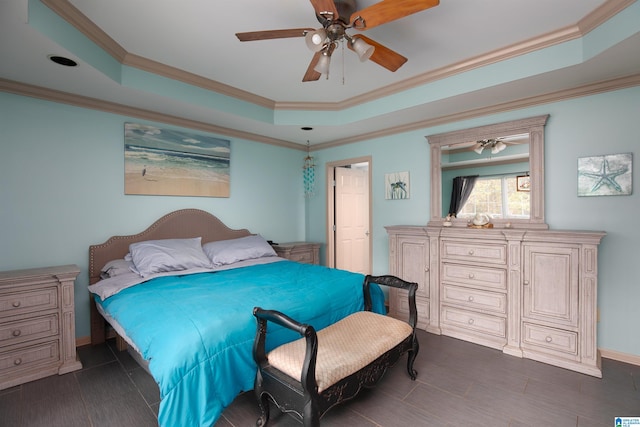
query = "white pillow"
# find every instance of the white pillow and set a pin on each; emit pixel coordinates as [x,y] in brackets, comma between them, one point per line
[158,256]
[225,252]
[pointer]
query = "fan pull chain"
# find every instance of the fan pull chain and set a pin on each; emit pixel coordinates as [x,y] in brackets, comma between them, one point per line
[343,59]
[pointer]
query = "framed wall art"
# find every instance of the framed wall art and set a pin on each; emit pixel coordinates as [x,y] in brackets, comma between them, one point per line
[396,185]
[608,175]
[174,163]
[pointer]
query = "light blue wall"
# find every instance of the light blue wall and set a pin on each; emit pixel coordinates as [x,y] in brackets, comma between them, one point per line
[62,189]
[600,124]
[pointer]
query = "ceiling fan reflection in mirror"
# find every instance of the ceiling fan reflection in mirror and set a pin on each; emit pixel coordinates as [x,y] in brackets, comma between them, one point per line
[336,18]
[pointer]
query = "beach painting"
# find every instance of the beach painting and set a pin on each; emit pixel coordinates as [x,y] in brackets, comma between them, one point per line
[167,162]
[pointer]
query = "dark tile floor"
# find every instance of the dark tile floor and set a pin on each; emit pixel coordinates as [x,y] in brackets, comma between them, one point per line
[459,384]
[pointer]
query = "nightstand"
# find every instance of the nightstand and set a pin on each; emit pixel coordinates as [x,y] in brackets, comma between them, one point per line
[305,252]
[37,324]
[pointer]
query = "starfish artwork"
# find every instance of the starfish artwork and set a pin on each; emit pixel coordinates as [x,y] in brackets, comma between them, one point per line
[604,175]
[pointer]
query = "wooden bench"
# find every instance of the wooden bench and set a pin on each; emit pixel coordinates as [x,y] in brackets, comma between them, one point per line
[309,376]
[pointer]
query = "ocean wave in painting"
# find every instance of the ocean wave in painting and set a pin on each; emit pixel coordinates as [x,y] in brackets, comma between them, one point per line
[168,162]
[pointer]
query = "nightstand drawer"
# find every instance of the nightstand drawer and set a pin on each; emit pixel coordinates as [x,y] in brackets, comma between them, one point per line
[304,252]
[26,357]
[478,322]
[486,253]
[305,257]
[474,298]
[30,329]
[28,301]
[482,277]
[553,340]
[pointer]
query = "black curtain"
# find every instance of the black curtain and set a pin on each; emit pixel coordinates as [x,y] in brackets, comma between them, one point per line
[462,187]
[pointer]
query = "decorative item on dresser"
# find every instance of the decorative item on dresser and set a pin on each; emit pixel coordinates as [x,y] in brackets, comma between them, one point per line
[37,324]
[299,251]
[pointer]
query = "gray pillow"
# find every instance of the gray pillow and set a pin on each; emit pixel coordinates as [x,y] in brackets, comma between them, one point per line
[159,256]
[225,252]
[116,267]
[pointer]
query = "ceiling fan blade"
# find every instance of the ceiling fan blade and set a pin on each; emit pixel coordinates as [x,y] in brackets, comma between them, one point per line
[312,75]
[273,34]
[382,55]
[387,11]
[321,6]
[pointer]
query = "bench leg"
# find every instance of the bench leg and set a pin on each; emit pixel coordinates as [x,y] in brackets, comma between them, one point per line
[263,402]
[310,416]
[411,357]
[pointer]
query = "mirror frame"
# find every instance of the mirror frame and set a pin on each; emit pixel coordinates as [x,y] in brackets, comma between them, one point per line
[534,126]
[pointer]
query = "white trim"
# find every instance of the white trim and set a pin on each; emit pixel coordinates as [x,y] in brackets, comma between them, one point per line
[632,359]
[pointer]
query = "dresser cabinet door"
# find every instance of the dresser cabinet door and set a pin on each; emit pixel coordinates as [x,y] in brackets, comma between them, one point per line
[413,257]
[550,285]
[411,263]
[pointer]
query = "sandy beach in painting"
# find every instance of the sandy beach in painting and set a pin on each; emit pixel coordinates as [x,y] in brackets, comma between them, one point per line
[176,182]
[166,162]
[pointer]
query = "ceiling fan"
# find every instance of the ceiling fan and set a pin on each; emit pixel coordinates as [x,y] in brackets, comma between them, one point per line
[337,16]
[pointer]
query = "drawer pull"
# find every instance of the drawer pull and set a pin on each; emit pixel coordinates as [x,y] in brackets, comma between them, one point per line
[526,282]
[470,299]
[548,339]
[470,321]
[471,252]
[17,362]
[16,304]
[471,275]
[16,333]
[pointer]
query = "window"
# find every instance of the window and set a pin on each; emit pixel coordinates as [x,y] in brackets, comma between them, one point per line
[498,197]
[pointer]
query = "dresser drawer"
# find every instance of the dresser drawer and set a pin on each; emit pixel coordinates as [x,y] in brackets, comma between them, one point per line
[478,322]
[550,339]
[474,298]
[28,301]
[485,253]
[30,329]
[26,357]
[482,277]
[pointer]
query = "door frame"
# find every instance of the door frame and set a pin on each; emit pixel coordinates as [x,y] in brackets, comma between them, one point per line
[330,254]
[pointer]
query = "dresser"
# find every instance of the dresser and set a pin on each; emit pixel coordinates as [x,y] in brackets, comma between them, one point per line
[529,293]
[306,252]
[37,324]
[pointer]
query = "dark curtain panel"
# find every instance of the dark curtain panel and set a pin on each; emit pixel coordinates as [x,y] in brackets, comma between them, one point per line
[462,187]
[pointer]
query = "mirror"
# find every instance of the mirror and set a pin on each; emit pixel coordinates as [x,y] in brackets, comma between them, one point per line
[515,148]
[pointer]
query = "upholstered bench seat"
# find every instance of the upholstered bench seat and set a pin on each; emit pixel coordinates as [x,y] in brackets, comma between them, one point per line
[343,348]
[309,376]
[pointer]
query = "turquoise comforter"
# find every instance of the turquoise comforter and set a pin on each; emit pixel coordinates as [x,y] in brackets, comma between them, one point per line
[197,331]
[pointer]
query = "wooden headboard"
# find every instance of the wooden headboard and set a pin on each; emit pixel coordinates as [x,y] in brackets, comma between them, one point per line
[181,224]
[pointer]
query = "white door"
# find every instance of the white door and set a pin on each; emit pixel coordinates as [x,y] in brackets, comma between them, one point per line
[352,219]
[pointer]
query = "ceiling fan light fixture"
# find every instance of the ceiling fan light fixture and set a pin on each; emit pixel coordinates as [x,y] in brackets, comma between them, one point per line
[315,39]
[498,147]
[324,61]
[362,48]
[478,147]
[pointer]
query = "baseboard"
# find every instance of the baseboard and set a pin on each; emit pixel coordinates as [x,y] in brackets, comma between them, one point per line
[83,341]
[620,357]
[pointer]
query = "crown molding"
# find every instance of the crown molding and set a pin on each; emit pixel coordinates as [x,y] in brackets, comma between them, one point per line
[120,109]
[577,92]
[32,91]
[72,15]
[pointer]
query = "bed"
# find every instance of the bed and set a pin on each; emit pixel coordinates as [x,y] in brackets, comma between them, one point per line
[191,322]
